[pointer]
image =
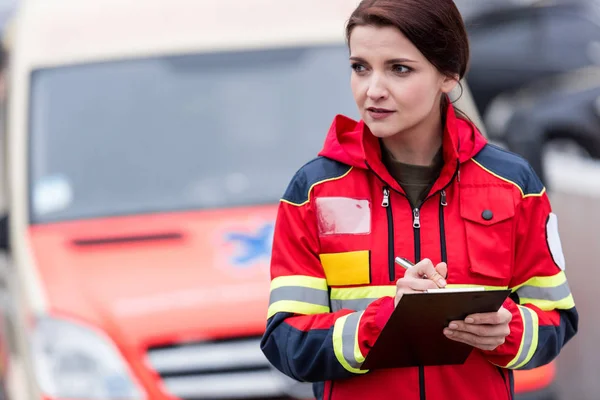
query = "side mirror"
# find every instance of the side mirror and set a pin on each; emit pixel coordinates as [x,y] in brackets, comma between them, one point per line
[4,233]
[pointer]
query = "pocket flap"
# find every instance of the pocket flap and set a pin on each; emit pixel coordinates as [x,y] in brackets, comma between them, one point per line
[486,206]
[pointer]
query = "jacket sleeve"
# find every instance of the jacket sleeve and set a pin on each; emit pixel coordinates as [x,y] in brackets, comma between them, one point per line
[303,339]
[542,306]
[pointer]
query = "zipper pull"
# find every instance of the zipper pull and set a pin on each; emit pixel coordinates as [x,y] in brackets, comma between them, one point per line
[444,202]
[416,219]
[386,197]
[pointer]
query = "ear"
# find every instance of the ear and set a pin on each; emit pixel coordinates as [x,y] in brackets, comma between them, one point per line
[449,83]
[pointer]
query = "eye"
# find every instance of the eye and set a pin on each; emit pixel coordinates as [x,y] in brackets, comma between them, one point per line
[358,68]
[401,69]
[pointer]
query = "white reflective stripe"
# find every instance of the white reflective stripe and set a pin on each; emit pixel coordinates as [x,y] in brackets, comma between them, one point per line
[350,339]
[546,292]
[345,342]
[298,293]
[556,293]
[554,243]
[352,304]
[529,340]
[343,215]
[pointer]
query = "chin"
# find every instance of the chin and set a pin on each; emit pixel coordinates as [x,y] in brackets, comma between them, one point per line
[383,130]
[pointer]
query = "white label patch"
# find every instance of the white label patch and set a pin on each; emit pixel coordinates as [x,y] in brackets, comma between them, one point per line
[554,243]
[343,215]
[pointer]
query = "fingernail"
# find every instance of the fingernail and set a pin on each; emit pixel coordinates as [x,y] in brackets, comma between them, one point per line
[453,326]
[469,320]
[448,332]
[442,282]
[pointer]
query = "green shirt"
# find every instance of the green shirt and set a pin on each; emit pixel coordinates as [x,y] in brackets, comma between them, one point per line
[416,180]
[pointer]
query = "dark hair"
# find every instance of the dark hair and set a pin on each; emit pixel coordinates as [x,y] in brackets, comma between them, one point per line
[435,27]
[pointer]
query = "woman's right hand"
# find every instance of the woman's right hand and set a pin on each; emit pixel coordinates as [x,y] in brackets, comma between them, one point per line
[420,277]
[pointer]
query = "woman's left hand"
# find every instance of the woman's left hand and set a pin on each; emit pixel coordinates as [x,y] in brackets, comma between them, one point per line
[483,331]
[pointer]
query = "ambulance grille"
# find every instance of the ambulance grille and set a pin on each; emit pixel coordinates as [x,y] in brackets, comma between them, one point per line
[230,369]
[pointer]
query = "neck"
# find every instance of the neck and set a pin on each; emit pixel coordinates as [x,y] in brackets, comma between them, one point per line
[419,144]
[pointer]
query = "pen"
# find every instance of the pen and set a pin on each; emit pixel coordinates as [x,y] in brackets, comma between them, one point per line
[406,264]
[403,262]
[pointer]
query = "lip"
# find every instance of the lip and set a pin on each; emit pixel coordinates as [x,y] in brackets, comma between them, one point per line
[379,113]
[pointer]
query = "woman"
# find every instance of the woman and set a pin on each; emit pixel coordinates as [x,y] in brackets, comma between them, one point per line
[412,179]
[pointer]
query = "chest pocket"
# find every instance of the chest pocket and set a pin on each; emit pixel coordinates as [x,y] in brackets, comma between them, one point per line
[488,215]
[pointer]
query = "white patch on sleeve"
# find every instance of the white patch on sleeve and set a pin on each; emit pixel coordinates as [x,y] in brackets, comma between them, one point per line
[343,215]
[554,243]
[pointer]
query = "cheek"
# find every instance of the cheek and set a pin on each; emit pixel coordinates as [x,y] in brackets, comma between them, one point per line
[417,96]
[356,84]
[414,91]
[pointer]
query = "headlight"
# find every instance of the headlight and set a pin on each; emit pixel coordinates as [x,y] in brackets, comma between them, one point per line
[74,361]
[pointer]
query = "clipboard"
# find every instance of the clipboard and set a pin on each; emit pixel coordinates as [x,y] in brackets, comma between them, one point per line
[413,336]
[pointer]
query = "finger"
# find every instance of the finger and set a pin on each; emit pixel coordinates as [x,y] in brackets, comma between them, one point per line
[487,347]
[501,317]
[425,268]
[442,269]
[438,279]
[502,330]
[481,342]
[421,284]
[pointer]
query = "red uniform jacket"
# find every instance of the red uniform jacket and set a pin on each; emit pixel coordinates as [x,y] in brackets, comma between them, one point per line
[343,220]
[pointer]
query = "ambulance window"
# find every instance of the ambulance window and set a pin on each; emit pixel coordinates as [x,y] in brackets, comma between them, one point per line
[178,133]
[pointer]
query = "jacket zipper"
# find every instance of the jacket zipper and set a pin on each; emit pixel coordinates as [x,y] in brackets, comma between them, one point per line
[443,204]
[417,236]
[390,222]
[417,232]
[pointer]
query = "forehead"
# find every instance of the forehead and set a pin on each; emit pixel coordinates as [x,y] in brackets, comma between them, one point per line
[373,41]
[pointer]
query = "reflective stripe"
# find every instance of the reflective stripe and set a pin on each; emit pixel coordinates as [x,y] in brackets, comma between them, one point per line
[298,294]
[541,293]
[529,340]
[362,292]
[353,304]
[296,307]
[299,280]
[547,305]
[345,342]
[544,281]
[546,292]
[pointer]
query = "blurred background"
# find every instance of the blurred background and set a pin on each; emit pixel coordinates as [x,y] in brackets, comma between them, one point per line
[142,161]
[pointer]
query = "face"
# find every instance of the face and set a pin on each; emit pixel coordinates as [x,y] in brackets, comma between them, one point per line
[395,87]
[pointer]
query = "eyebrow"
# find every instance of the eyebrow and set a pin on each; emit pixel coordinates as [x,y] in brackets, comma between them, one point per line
[392,61]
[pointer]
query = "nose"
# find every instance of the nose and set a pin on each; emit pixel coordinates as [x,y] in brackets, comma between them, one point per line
[377,89]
